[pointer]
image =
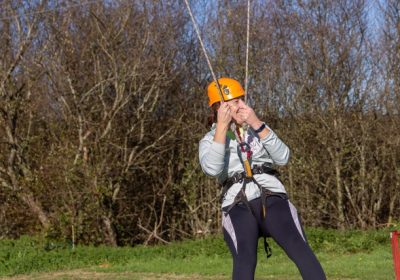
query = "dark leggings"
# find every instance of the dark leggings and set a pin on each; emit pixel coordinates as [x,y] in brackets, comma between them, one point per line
[242,230]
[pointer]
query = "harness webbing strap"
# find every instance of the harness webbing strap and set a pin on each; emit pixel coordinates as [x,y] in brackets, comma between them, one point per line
[241,196]
[267,248]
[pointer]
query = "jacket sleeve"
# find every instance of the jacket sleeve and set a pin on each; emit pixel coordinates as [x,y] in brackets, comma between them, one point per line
[211,155]
[277,150]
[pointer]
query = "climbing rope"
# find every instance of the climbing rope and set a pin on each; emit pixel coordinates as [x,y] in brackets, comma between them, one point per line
[204,50]
[246,81]
[208,59]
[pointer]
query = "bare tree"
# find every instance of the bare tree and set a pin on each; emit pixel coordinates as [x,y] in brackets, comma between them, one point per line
[20,73]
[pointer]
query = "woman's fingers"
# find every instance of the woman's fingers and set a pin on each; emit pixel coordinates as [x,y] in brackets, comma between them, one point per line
[223,107]
[224,113]
[243,116]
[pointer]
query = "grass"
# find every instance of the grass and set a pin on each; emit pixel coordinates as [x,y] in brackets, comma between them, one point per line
[344,255]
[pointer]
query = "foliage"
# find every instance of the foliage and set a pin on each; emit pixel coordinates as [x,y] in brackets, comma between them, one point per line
[102,106]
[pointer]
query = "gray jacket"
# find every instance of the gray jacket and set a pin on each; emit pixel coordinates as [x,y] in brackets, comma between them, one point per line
[222,161]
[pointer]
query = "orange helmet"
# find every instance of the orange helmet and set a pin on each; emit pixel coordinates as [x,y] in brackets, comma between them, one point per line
[230,88]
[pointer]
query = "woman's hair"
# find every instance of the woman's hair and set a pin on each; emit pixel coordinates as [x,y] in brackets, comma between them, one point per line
[212,118]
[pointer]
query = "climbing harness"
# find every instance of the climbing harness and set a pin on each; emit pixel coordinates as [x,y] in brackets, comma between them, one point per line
[242,198]
[243,178]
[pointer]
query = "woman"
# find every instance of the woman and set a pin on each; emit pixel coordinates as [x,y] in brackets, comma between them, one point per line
[254,201]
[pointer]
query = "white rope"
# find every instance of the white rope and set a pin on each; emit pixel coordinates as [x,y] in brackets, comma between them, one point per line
[246,79]
[204,50]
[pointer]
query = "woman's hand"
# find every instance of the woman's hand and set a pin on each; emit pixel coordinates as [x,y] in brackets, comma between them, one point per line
[247,115]
[224,116]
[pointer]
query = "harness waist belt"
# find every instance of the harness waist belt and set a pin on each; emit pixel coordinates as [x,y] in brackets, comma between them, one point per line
[257,169]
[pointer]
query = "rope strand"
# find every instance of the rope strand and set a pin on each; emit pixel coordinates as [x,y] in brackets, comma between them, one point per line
[204,50]
[246,81]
